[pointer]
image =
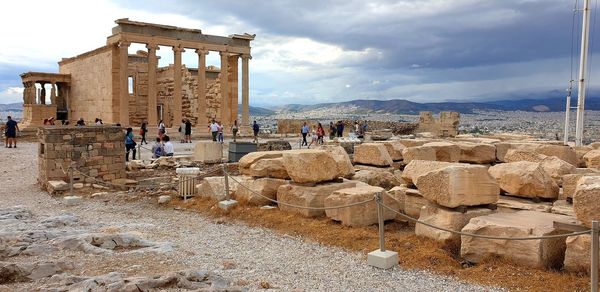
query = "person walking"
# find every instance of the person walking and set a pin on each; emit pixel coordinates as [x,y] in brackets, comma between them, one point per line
[129,144]
[162,130]
[313,137]
[234,130]
[255,129]
[320,133]
[168,148]
[11,132]
[214,130]
[340,129]
[332,131]
[143,132]
[304,131]
[220,134]
[188,131]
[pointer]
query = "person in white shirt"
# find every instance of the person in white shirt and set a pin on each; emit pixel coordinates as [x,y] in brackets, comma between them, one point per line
[168,148]
[214,130]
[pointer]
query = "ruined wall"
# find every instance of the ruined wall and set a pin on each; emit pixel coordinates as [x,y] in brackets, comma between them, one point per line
[98,151]
[138,99]
[165,86]
[91,93]
[445,126]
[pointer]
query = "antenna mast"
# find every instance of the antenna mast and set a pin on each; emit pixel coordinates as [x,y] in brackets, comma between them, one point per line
[585,33]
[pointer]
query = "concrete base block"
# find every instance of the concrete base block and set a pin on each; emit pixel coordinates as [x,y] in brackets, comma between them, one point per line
[227,204]
[72,200]
[208,152]
[382,259]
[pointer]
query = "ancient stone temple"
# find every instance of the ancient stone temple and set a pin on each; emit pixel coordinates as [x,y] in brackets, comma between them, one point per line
[118,87]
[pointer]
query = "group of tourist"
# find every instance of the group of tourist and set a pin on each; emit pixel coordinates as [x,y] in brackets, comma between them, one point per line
[316,135]
[10,133]
[161,147]
[216,130]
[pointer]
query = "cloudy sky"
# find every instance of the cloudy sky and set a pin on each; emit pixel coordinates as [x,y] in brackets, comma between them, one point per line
[323,51]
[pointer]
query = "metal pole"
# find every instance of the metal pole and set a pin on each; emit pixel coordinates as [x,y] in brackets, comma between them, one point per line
[183,184]
[379,201]
[594,259]
[585,33]
[71,180]
[226,181]
[567,115]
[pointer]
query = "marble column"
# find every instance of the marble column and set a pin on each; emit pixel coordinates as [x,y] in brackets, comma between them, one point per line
[123,83]
[152,91]
[245,90]
[224,86]
[201,90]
[43,93]
[177,87]
[53,94]
[233,89]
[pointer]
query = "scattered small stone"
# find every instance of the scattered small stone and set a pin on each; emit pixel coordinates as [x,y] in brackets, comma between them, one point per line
[164,199]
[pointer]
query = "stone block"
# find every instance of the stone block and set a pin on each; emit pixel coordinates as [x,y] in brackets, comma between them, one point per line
[308,196]
[55,186]
[382,178]
[592,159]
[372,154]
[569,183]
[445,151]
[563,207]
[477,153]
[394,148]
[227,204]
[214,187]
[164,199]
[418,153]
[565,153]
[417,168]
[267,187]
[359,215]
[513,204]
[382,259]
[252,157]
[208,152]
[446,218]
[72,200]
[586,200]
[344,164]
[310,165]
[268,167]
[539,253]
[524,179]
[459,185]
[578,253]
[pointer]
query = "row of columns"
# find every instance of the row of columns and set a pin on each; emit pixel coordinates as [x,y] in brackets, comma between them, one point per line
[30,93]
[227,105]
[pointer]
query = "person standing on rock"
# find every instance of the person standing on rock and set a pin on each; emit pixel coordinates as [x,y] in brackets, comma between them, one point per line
[11,132]
[255,129]
[129,144]
[214,130]
[304,131]
[188,131]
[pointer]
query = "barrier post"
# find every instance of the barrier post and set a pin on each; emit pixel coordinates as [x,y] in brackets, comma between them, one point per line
[227,202]
[594,259]
[71,180]
[381,258]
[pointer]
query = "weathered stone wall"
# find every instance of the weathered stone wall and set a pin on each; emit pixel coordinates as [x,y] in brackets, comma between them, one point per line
[138,99]
[98,151]
[91,93]
[445,126]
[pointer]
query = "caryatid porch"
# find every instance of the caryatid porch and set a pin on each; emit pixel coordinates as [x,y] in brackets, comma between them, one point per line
[36,107]
[179,39]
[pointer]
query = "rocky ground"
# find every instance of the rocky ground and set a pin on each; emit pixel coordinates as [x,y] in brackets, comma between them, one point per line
[132,244]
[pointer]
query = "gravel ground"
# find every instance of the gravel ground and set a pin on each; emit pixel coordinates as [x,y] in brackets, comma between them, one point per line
[250,257]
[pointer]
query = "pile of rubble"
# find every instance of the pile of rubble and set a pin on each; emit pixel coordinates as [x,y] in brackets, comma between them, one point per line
[474,185]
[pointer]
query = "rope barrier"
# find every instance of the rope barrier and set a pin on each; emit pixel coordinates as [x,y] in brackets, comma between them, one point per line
[417,221]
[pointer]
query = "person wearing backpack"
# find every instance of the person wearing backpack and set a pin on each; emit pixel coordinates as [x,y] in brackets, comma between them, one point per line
[129,144]
[157,148]
[255,129]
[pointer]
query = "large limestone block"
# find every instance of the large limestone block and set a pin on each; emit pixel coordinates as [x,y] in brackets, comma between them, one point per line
[394,148]
[268,167]
[410,201]
[214,187]
[359,215]
[586,199]
[446,218]
[445,151]
[372,154]
[514,155]
[565,153]
[359,167]
[418,153]
[266,187]
[553,165]
[208,152]
[524,179]
[578,253]
[563,207]
[510,204]
[569,183]
[310,165]
[383,179]
[581,151]
[592,159]
[418,168]
[503,147]
[459,185]
[308,196]
[344,165]
[477,153]
[413,142]
[253,157]
[546,253]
